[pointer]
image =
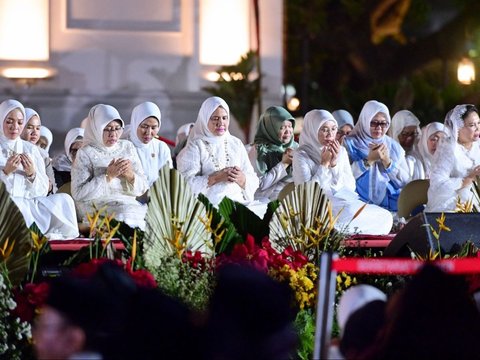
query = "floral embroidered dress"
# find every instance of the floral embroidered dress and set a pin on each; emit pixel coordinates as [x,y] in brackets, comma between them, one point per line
[90,187]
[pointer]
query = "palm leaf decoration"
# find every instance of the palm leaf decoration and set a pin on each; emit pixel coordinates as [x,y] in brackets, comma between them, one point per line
[174,219]
[304,221]
[473,205]
[15,240]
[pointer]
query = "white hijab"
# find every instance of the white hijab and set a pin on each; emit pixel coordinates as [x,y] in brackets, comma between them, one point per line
[70,138]
[44,131]
[312,122]
[98,118]
[428,131]
[183,132]
[343,118]
[140,113]
[401,120]
[29,113]
[5,107]
[200,129]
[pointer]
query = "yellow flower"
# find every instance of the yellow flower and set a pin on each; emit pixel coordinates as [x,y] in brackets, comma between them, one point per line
[38,241]
[6,250]
[441,223]
[134,246]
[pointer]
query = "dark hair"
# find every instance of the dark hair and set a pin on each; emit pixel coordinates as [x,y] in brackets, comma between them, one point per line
[470,109]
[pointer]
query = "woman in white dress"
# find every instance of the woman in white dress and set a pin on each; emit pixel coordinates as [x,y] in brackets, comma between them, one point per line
[272,152]
[62,164]
[214,162]
[405,129]
[31,133]
[378,162]
[457,161]
[432,135]
[107,170]
[153,153]
[321,158]
[23,172]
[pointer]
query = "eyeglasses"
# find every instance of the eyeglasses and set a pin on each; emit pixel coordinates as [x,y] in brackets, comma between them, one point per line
[328,130]
[113,130]
[409,134]
[376,124]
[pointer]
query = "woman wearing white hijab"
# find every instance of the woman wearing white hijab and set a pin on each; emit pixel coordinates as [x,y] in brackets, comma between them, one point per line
[23,172]
[153,153]
[457,161]
[107,170]
[321,158]
[32,133]
[432,135]
[378,161]
[406,130]
[214,162]
[62,164]
[46,138]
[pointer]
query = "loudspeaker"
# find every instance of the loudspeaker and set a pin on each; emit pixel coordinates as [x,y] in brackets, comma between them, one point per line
[417,234]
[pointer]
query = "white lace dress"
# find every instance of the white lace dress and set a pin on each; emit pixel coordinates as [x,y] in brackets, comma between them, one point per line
[452,163]
[201,158]
[90,188]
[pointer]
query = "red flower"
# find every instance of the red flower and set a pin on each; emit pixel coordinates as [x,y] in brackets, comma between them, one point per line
[247,253]
[195,259]
[86,270]
[29,300]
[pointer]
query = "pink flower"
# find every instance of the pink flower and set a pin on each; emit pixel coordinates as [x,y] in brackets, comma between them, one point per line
[247,253]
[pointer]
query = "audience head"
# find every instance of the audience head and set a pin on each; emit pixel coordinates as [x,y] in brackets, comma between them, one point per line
[373,122]
[344,121]
[432,135]
[46,138]
[212,121]
[464,123]
[104,126]
[405,128]
[434,317]
[183,132]
[250,317]
[319,128]
[31,131]
[73,142]
[145,123]
[13,116]
[275,127]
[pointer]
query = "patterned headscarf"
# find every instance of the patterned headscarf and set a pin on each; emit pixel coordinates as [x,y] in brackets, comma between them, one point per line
[200,129]
[140,113]
[98,118]
[270,148]
[454,121]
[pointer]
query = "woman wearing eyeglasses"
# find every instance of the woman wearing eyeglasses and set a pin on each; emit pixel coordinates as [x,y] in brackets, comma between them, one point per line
[321,158]
[107,170]
[144,125]
[405,129]
[457,161]
[378,161]
[214,162]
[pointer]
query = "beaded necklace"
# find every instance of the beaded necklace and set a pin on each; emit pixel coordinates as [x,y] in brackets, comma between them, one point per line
[213,158]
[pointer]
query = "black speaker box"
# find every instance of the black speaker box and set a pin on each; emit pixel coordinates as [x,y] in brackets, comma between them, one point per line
[417,235]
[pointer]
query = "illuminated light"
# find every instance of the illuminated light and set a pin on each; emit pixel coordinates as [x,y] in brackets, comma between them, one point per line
[224,31]
[27,72]
[293,104]
[24,30]
[212,76]
[466,71]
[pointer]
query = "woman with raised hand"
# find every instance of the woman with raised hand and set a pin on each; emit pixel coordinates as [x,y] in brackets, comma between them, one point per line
[23,173]
[378,161]
[31,133]
[153,153]
[457,161]
[321,158]
[62,164]
[272,152]
[214,162]
[107,171]
[432,135]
